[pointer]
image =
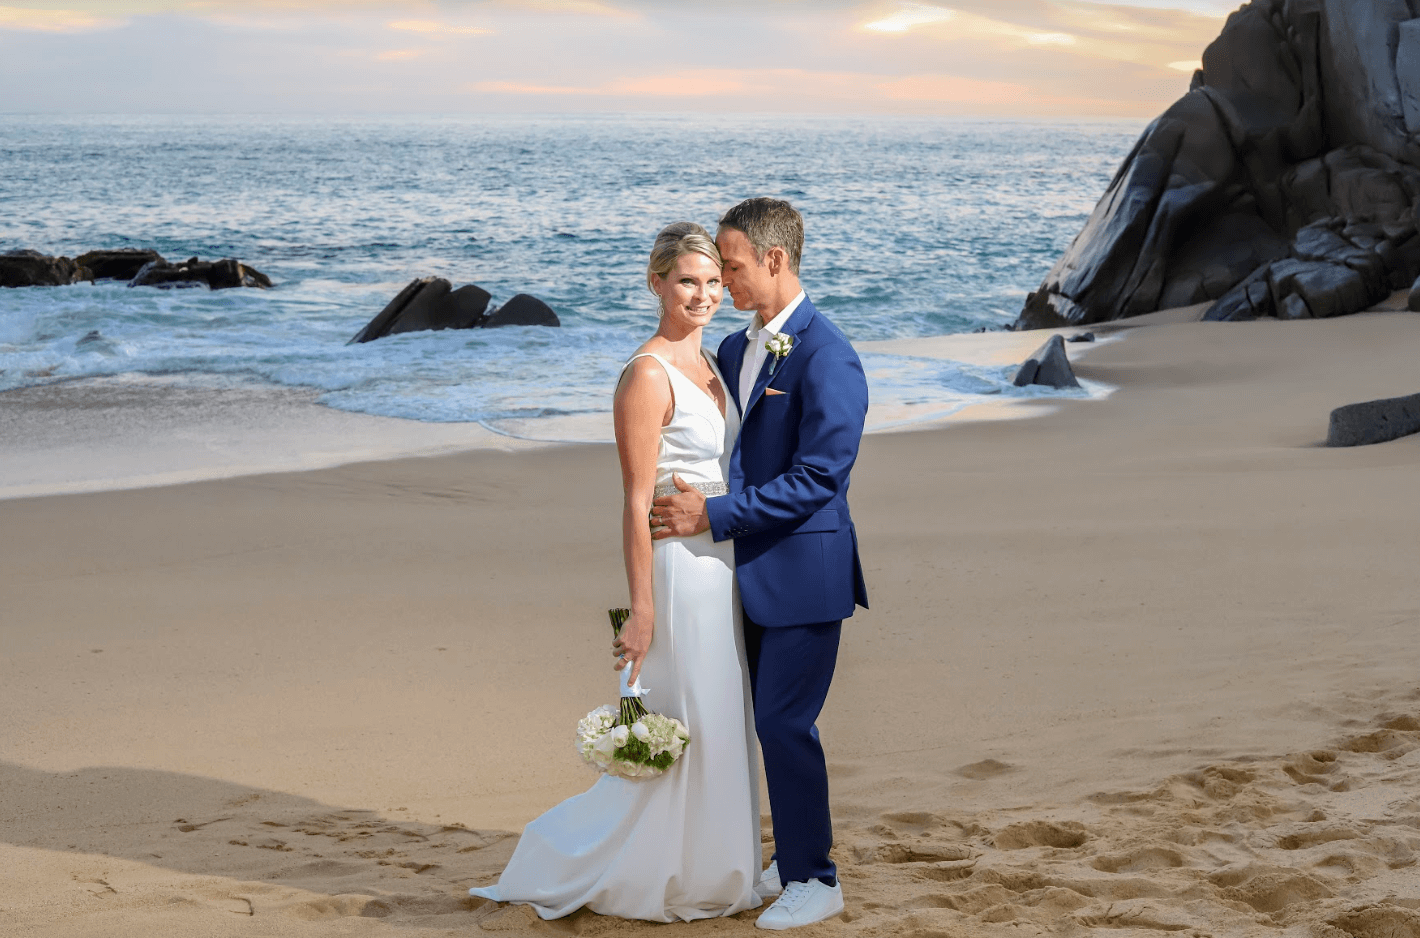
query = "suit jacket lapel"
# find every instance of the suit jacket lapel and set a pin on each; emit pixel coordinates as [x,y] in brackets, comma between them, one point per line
[799,319]
[730,365]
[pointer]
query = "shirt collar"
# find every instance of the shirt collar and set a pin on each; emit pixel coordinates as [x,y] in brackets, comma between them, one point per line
[775,325]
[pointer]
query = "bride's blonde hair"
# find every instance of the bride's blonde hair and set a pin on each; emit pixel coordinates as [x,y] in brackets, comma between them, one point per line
[674,242]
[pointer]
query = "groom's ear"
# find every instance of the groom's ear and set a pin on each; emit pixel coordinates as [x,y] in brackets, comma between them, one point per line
[776,258]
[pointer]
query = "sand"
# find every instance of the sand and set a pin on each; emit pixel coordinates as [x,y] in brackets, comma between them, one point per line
[1141,664]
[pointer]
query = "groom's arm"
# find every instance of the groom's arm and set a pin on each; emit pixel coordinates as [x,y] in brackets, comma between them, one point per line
[834,408]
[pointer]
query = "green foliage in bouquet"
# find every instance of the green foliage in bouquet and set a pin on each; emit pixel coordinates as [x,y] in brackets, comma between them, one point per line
[630,741]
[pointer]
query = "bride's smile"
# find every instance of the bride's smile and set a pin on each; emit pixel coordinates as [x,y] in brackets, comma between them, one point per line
[691,292]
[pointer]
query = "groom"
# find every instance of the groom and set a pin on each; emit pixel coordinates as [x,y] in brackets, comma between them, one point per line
[803,398]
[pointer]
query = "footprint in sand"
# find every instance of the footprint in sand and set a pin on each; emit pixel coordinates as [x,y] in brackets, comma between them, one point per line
[1321,843]
[1066,835]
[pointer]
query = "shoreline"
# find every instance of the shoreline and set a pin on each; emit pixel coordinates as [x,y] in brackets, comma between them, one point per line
[137,431]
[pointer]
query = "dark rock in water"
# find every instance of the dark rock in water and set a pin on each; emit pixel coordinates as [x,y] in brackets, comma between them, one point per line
[523,310]
[230,272]
[1048,365]
[1374,421]
[165,275]
[94,342]
[122,264]
[1299,143]
[215,275]
[1082,337]
[32,269]
[430,303]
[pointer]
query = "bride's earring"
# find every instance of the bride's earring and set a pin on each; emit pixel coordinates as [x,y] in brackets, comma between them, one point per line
[660,307]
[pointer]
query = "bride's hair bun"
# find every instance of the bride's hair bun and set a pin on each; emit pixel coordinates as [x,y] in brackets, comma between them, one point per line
[674,242]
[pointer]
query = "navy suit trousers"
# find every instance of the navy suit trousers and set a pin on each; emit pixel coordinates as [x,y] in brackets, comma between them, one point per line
[790,669]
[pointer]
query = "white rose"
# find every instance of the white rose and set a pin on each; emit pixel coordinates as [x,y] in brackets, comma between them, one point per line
[621,734]
[640,731]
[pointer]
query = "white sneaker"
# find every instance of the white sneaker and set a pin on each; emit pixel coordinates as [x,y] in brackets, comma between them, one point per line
[768,885]
[802,903]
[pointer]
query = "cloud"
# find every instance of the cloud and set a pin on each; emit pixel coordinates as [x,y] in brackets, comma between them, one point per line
[910,15]
[730,87]
[809,91]
[1188,66]
[950,57]
[53,21]
[582,7]
[966,26]
[1093,32]
[432,26]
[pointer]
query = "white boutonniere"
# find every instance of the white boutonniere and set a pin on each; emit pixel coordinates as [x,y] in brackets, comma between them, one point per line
[780,345]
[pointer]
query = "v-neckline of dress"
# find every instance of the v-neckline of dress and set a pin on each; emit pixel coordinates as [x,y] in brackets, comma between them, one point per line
[724,414]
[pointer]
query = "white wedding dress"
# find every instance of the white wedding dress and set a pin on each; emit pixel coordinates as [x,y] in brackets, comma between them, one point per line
[684,845]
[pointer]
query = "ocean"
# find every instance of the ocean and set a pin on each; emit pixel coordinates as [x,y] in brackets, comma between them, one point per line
[915,227]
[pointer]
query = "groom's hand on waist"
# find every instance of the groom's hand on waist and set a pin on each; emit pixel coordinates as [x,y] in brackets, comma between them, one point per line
[679,515]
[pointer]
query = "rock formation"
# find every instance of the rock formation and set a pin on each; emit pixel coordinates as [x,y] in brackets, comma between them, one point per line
[140,268]
[522,310]
[1374,421]
[1284,183]
[215,275]
[33,269]
[430,303]
[1048,366]
[122,264]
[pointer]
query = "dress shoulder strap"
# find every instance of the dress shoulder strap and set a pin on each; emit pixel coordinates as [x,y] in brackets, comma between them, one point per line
[670,370]
[664,363]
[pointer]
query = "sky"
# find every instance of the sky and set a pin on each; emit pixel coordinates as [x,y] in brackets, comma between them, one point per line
[970,58]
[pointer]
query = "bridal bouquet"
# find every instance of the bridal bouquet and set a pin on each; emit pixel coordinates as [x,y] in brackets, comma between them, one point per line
[630,741]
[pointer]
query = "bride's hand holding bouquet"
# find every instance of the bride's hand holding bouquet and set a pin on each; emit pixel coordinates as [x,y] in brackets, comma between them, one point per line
[632,641]
[629,740]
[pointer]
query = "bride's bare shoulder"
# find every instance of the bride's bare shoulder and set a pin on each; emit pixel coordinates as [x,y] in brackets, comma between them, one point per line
[643,375]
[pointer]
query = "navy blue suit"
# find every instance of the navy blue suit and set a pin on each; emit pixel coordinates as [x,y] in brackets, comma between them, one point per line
[796,556]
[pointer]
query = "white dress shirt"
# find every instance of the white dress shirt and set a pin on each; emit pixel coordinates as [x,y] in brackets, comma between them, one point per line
[755,352]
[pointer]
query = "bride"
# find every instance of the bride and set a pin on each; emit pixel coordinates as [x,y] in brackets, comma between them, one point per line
[685,845]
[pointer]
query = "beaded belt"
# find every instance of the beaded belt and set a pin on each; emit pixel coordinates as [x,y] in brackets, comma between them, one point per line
[710,489]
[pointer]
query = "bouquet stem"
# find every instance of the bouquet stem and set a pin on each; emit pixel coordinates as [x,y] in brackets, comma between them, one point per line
[631,710]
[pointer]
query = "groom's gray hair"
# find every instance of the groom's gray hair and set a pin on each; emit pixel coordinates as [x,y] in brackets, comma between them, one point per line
[769,223]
